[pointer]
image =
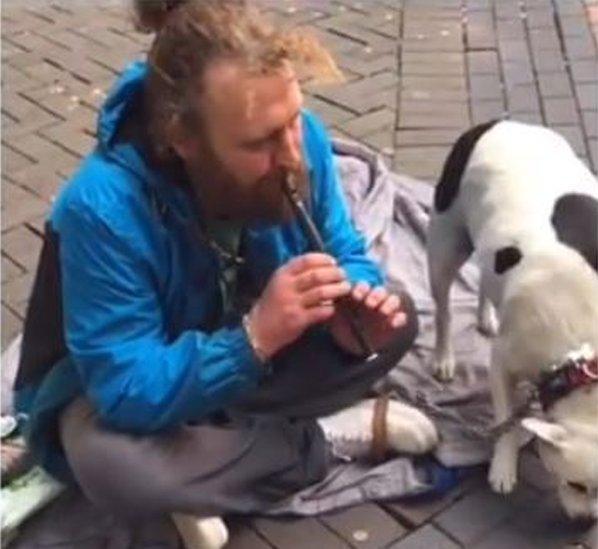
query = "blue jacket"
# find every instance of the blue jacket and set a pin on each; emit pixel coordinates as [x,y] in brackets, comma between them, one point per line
[139,294]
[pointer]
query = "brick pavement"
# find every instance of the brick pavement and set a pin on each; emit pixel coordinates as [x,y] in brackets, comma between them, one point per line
[418,73]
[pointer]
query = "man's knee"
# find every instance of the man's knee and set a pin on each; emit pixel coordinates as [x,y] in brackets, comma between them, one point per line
[108,474]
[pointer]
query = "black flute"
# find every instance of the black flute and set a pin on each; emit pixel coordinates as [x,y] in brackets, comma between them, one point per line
[317,244]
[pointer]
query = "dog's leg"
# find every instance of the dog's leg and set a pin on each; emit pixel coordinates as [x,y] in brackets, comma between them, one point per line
[448,249]
[503,468]
[487,317]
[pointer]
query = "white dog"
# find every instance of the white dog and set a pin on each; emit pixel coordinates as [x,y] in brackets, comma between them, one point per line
[519,197]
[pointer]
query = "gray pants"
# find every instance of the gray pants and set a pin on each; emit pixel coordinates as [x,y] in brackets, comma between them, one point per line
[240,461]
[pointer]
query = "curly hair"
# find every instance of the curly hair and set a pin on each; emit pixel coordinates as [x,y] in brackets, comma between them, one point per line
[191,34]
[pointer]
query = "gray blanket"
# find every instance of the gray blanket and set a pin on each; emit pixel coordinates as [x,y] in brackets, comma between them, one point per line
[392,211]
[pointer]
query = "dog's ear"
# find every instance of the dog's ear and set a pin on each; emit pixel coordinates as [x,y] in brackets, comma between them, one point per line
[552,433]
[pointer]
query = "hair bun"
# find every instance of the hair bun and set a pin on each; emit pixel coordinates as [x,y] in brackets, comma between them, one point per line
[150,15]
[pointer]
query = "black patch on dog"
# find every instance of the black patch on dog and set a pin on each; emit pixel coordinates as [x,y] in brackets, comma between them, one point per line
[575,220]
[455,164]
[505,258]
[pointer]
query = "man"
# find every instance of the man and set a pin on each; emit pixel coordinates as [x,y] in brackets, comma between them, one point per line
[182,339]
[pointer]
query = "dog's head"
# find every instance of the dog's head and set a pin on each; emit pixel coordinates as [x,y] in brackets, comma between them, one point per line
[570,453]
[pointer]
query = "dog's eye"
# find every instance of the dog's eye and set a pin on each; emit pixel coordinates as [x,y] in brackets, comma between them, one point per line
[578,487]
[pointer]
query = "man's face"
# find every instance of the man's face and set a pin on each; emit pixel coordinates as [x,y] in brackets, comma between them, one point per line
[250,139]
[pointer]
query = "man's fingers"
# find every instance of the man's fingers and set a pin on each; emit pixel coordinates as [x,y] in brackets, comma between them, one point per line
[376,297]
[398,320]
[318,277]
[309,261]
[391,305]
[328,292]
[320,313]
[360,291]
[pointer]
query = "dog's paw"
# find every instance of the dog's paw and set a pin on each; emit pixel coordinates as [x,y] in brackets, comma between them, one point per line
[444,368]
[503,475]
[488,322]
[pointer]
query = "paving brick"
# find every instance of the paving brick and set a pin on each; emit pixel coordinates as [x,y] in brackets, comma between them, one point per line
[508,9]
[330,113]
[477,514]
[366,62]
[54,99]
[22,246]
[544,39]
[363,95]
[450,43]
[424,162]
[511,29]
[431,58]
[568,8]
[382,141]
[482,111]
[485,87]
[549,61]
[425,538]
[580,47]
[523,99]
[585,70]
[45,72]
[444,83]
[430,91]
[432,30]
[18,206]
[13,160]
[365,526]
[10,270]
[15,293]
[561,111]
[574,25]
[11,326]
[540,18]
[373,122]
[480,30]
[426,136]
[14,80]
[517,74]
[543,524]
[587,94]
[434,118]
[300,534]
[532,117]
[443,64]
[242,536]
[590,122]
[482,62]
[361,35]
[514,50]
[554,85]
[37,148]
[30,117]
[70,137]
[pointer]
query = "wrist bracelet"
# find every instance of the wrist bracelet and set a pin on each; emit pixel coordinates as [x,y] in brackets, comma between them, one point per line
[257,350]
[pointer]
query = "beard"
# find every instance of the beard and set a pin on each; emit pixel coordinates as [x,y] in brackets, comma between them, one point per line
[223,196]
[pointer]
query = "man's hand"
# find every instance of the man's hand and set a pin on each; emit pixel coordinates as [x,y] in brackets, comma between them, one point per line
[378,313]
[299,295]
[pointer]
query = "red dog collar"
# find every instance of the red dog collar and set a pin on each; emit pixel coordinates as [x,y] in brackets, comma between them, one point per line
[580,368]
